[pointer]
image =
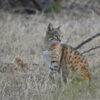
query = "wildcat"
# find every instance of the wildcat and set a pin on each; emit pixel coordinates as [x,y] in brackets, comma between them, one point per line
[63,58]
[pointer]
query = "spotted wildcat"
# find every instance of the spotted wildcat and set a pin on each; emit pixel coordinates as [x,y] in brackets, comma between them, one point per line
[62,57]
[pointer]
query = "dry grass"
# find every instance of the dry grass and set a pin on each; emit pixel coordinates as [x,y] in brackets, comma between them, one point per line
[22,35]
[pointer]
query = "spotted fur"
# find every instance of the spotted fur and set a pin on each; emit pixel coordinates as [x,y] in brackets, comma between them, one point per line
[62,57]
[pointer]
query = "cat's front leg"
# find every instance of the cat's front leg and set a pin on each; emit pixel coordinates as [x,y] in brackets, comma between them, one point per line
[51,67]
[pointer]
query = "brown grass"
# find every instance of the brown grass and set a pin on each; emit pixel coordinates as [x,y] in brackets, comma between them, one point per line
[22,36]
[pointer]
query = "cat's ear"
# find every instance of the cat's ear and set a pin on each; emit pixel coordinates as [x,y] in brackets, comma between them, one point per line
[59,27]
[50,27]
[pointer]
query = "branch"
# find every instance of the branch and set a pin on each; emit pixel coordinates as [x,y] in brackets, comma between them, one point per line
[86,41]
[90,50]
[28,9]
[37,4]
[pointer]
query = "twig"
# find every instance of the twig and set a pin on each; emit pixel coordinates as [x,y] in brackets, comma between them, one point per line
[38,5]
[86,41]
[28,9]
[90,50]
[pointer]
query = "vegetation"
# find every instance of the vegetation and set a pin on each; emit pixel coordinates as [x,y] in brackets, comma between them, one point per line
[21,36]
[54,7]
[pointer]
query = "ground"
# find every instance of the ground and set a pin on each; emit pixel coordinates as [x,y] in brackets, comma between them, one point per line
[22,36]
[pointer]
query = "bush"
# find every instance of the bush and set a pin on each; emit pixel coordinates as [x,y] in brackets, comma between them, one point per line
[54,6]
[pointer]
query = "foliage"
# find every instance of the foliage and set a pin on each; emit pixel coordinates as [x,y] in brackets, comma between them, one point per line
[54,6]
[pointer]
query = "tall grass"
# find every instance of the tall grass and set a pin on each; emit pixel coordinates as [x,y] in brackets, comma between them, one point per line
[22,36]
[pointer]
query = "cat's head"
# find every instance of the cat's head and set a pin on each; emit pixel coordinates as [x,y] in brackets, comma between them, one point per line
[53,34]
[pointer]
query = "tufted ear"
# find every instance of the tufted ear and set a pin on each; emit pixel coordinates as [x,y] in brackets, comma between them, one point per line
[59,27]
[50,27]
